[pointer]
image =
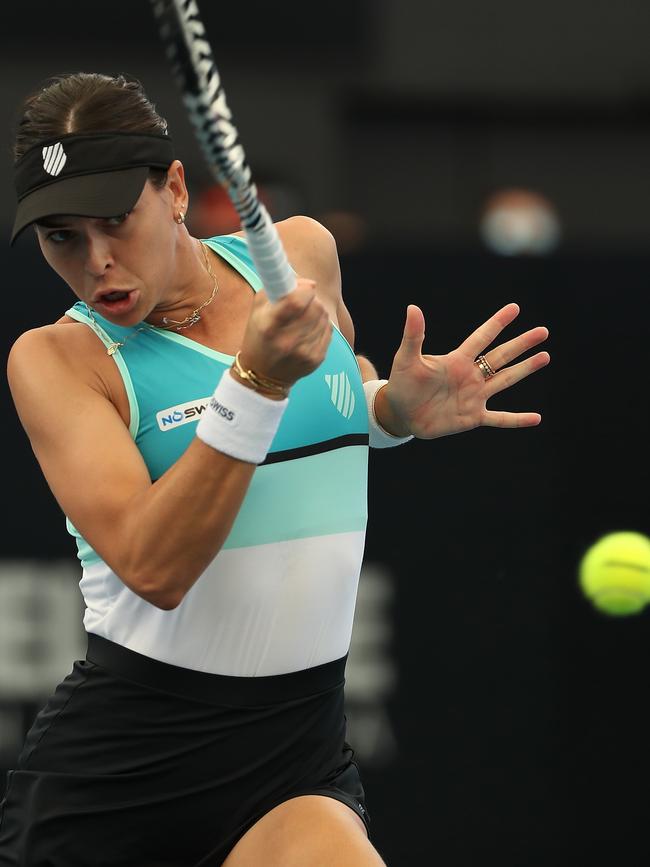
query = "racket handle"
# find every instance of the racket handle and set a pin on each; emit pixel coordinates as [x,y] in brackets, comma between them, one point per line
[267,252]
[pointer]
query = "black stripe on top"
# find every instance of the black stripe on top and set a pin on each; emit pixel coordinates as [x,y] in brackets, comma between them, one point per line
[357,439]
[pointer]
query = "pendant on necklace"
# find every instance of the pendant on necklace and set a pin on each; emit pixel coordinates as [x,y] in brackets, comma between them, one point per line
[188,322]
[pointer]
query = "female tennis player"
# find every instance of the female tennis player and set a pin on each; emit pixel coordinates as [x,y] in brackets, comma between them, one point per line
[209,449]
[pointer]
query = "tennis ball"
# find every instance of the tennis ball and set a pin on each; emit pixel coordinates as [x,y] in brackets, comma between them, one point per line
[614,573]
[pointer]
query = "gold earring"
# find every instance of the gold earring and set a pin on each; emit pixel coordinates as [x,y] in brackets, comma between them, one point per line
[180,218]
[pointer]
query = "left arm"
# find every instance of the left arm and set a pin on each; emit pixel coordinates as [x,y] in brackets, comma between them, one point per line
[435,395]
[426,396]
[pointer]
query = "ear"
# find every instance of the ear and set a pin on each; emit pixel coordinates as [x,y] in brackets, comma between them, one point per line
[177,187]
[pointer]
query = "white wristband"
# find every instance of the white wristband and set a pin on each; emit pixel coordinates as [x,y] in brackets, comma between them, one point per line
[240,422]
[379,438]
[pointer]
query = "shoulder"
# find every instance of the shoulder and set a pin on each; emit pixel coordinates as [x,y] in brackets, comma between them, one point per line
[311,250]
[65,345]
[303,228]
[34,344]
[308,241]
[51,339]
[310,246]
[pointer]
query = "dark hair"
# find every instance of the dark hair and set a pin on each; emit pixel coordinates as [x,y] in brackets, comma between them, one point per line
[86,102]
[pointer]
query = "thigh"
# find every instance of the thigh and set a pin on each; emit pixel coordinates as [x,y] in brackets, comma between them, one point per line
[306,831]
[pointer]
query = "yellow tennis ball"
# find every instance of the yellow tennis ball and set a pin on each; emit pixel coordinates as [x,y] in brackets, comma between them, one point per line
[614,573]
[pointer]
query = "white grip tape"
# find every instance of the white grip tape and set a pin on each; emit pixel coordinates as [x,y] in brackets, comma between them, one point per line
[379,438]
[240,422]
[269,257]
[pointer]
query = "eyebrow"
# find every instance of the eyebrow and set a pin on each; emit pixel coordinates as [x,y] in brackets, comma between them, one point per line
[51,223]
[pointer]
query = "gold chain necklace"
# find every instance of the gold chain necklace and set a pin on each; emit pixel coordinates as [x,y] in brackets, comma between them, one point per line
[195,315]
[188,322]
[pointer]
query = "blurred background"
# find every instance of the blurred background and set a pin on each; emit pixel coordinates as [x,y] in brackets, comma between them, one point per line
[464,155]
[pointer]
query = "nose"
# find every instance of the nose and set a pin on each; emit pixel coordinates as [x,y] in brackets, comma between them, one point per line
[99,258]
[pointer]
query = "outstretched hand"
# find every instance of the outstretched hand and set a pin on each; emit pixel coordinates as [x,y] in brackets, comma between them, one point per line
[435,395]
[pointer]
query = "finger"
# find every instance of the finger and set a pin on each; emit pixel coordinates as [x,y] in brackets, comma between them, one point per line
[413,334]
[486,333]
[507,352]
[326,338]
[511,375]
[511,419]
[294,304]
[310,334]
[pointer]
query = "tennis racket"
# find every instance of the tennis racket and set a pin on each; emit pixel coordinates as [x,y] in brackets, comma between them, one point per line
[194,69]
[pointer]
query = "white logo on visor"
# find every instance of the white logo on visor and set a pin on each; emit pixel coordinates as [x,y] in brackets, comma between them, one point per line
[54,158]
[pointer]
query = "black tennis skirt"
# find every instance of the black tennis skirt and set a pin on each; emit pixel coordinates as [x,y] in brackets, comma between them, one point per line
[136,763]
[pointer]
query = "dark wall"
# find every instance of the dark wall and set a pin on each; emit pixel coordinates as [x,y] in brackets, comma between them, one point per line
[409,113]
[520,713]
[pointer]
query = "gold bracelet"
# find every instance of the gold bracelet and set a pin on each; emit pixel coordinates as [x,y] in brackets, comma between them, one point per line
[260,383]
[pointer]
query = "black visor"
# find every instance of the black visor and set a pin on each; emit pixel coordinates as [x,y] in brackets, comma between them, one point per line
[96,175]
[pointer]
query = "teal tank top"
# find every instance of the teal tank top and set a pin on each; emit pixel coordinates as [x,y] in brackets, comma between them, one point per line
[314,479]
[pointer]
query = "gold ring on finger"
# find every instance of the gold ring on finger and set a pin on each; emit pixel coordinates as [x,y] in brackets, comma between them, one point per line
[485,367]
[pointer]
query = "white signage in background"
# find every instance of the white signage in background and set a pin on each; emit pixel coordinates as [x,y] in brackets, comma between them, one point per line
[41,626]
[371,672]
[41,634]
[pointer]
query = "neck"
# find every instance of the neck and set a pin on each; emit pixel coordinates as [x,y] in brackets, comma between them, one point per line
[200,290]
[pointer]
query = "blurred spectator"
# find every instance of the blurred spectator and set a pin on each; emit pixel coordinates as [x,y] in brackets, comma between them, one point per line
[519,222]
[212,213]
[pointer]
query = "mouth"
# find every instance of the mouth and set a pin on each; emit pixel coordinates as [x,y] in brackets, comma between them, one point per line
[115,301]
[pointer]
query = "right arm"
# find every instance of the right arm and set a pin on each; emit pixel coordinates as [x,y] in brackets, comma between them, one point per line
[158,538]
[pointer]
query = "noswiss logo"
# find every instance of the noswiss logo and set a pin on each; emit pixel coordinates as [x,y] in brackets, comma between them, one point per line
[54,158]
[222,410]
[183,413]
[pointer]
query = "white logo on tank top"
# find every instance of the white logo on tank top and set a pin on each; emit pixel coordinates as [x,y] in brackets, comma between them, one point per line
[182,413]
[341,393]
[54,158]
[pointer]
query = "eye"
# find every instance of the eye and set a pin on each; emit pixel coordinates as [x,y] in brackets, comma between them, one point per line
[59,236]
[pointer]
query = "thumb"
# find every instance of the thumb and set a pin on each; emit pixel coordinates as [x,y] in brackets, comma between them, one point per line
[413,336]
